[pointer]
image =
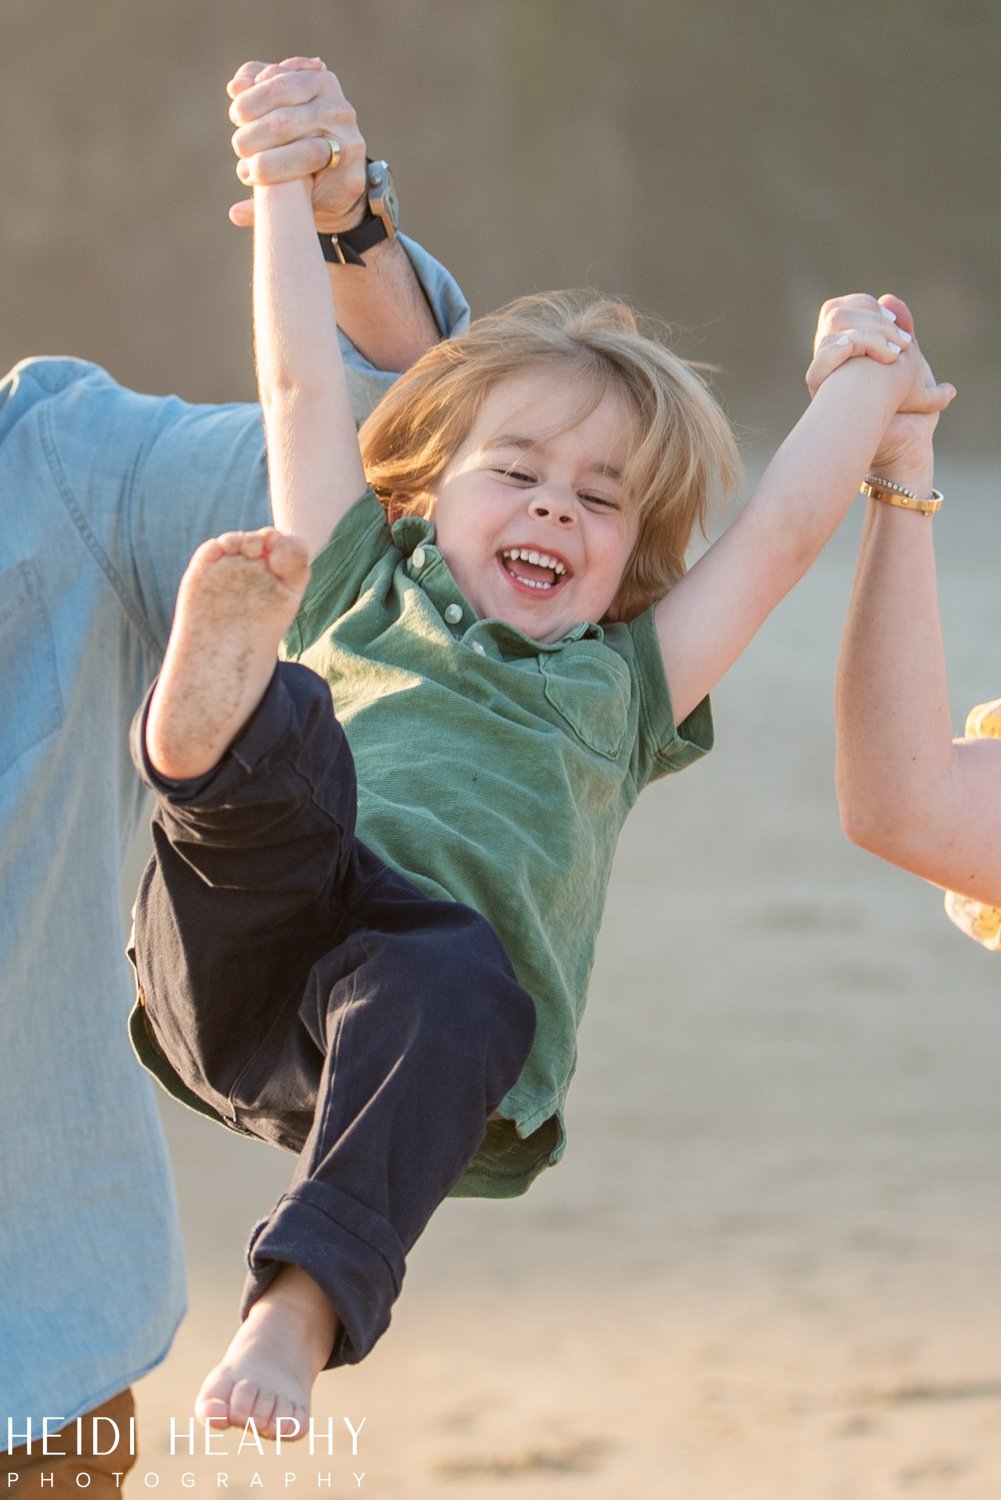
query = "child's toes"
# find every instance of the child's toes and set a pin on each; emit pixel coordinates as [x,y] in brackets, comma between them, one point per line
[231,542]
[292,1418]
[288,560]
[249,1400]
[213,1398]
[252,544]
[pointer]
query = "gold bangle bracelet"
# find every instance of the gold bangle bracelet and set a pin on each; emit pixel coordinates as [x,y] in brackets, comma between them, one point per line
[890,493]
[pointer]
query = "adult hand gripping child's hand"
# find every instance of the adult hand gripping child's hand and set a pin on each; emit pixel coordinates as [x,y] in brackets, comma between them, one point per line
[291,118]
[882,329]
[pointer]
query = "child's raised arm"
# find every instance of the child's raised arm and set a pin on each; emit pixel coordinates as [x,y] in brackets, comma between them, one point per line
[314,464]
[711,614]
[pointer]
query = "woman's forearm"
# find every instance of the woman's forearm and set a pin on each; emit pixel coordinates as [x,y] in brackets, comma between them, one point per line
[894,734]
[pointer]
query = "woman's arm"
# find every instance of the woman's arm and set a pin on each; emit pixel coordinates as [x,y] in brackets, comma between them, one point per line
[314,464]
[907,791]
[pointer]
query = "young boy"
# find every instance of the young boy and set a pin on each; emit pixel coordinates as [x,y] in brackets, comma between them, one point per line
[507,689]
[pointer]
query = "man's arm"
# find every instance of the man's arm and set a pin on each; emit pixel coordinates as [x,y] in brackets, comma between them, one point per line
[286,114]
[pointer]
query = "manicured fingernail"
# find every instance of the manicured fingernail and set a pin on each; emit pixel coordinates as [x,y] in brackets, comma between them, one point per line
[894,347]
[904,335]
[888,314]
[844,339]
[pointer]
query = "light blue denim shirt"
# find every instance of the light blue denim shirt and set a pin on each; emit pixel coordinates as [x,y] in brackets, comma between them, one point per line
[105,494]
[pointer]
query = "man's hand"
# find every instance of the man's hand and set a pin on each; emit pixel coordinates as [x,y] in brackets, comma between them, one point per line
[286,114]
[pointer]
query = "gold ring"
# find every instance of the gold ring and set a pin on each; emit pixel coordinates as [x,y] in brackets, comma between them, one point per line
[335,153]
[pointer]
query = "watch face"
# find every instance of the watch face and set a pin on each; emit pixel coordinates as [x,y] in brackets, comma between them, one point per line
[382,199]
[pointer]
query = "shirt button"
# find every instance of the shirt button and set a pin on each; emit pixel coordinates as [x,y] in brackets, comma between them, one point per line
[480,650]
[453,613]
[419,557]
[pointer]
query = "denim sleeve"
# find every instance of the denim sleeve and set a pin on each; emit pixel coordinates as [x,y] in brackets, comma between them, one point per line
[145,479]
[451,313]
[136,481]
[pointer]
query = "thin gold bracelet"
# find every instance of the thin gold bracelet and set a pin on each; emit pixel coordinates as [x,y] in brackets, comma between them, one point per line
[889,493]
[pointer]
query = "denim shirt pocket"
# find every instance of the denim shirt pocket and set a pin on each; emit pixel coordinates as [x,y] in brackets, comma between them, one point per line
[590,687]
[31,704]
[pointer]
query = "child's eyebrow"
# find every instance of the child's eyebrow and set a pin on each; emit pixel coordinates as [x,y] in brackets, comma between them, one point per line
[526,444]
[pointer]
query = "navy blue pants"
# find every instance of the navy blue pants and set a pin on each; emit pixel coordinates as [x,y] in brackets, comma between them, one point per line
[312,997]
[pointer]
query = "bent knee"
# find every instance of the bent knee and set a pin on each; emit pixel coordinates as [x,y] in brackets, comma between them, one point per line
[473,997]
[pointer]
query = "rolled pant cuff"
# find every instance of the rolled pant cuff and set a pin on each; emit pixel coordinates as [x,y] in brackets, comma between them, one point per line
[269,722]
[352,1253]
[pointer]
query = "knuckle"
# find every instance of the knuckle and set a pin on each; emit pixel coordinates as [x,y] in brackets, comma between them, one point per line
[244,145]
[279,120]
[279,91]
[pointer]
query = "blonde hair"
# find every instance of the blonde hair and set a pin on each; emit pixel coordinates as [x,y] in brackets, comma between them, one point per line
[686,454]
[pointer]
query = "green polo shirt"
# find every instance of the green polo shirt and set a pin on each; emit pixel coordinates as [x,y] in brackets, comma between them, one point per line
[495,771]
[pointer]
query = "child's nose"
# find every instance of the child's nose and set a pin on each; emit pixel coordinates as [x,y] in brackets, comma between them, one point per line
[547,508]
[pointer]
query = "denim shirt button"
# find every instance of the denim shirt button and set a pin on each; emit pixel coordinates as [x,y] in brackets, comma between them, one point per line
[453,613]
[480,650]
[419,557]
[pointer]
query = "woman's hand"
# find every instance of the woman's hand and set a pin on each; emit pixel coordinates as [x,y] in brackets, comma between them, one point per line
[883,330]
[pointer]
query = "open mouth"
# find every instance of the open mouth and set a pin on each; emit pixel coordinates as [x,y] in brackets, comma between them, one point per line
[534,569]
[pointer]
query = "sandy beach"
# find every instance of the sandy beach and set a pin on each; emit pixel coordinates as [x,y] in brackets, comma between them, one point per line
[767,1269]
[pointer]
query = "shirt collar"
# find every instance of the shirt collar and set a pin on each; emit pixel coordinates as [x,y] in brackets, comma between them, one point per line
[414,538]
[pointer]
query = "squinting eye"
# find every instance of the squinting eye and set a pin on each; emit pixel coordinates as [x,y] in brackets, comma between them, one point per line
[516,474]
[602,501]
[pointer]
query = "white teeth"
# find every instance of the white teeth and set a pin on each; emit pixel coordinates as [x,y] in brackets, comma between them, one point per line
[540,559]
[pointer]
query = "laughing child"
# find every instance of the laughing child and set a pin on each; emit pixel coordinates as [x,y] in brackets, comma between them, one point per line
[368,938]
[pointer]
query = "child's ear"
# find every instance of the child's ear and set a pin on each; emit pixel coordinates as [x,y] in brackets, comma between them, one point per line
[408,505]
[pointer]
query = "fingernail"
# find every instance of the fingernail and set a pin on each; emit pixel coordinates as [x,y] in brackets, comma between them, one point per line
[888,314]
[894,347]
[242,171]
[902,334]
[844,339]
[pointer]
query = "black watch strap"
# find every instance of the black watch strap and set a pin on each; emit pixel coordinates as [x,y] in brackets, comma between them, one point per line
[346,249]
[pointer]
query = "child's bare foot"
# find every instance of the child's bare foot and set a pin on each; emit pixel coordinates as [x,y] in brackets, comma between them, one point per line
[278,1351]
[237,598]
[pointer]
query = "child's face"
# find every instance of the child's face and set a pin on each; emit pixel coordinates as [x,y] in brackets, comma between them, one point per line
[526,484]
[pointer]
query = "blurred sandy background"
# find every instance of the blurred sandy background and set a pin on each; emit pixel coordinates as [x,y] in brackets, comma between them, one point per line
[769,1264]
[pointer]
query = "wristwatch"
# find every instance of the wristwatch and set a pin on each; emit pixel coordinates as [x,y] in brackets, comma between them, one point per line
[381,221]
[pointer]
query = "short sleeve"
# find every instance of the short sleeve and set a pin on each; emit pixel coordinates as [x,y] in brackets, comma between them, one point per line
[340,572]
[662,747]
